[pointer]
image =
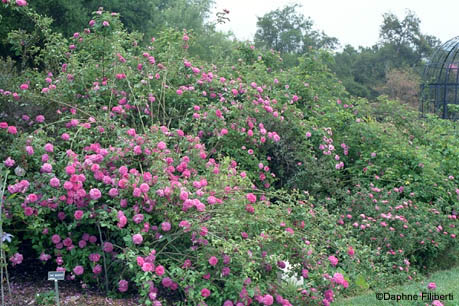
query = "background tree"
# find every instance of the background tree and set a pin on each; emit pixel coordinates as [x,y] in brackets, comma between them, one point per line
[402,47]
[288,31]
[151,17]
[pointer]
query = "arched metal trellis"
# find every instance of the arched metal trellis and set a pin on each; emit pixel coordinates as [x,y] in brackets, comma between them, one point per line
[440,88]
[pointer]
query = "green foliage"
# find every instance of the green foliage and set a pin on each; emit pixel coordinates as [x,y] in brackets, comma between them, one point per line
[289,32]
[402,45]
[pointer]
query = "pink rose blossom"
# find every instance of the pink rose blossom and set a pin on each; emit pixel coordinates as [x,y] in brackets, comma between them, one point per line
[123,285]
[166,226]
[137,239]
[213,261]
[9,162]
[251,197]
[432,286]
[159,270]
[205,292]
[333,260]
[78,214]
[108,247]
[268,300]
[21,3]
[95,194]
[78,270]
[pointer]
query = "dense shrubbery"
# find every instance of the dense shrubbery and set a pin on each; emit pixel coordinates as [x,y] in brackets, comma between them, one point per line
[199,183]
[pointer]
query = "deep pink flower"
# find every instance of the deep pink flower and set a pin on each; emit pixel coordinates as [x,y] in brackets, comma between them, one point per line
[159,270]
[333,260]
[350,251]
[97,269]
[55,239]
[65,136]
[44,257]
[108,247]
[67,242]
[16,259]
[268,300]
[338,278]
[147,267]
[78,214]
[166,226]
[49,147]
[138,218]
[213,261]
[122,221]
[94,257]
[9,162]
[161,145]
[432,286]
[137,239]
[78,270]
[21,3]
[166,282]
[28,211]
[205,292]
[250,209]
[123,285]
[144,187]
[251,197]
[12,130]
[40,118]
[29,150]
[46,168]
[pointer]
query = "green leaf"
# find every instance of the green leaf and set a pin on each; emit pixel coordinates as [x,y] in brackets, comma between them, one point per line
[361,282]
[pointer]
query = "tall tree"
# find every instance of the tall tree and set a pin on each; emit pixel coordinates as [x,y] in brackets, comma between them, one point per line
[288,31]
[402,47]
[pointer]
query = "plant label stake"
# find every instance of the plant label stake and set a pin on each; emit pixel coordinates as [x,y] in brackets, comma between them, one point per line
[56,276]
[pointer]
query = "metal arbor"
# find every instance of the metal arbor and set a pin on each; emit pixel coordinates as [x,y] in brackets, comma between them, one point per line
[440,87]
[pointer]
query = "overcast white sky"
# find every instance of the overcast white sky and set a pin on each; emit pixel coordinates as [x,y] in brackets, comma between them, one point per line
[354,22]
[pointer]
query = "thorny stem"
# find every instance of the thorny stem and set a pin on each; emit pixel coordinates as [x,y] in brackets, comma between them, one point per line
[105,262]
[1,239]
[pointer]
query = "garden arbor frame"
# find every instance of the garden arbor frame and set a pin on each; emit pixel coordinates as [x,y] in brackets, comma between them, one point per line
[440,85]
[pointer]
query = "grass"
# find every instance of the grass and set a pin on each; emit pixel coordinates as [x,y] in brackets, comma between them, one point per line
[447,282]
